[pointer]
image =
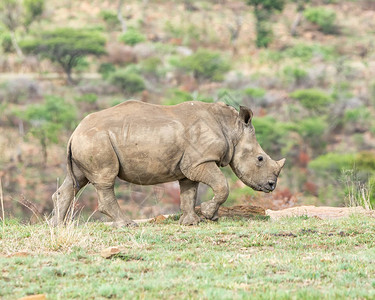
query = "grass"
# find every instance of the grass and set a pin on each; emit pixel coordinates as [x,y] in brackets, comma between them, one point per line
[294,258]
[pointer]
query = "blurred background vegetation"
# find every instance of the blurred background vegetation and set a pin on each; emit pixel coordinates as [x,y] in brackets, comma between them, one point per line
[306,68]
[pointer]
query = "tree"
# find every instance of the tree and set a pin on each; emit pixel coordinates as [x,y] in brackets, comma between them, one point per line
[11,16]
[17,13]
[33,10]
[66,46]
[48,120]
[263,10]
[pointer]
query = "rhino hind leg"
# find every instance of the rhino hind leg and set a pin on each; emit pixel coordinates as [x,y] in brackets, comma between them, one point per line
[210,174]
[64,196]
[188,196]
[109,206]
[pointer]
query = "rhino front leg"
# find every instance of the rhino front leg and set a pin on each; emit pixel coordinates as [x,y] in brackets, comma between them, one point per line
[108,205]
[188,196]
[210,174]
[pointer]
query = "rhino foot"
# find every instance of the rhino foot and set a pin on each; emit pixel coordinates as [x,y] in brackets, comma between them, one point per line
[189,219]
[209,210]
[119,224]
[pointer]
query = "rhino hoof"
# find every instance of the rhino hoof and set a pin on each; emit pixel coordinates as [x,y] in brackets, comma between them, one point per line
[190,219]
[209,210]
[119,224]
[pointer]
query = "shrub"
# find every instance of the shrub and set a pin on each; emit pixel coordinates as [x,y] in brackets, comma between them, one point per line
[263,10]
[176,96]
[205,65]
[312,99]
[48,120]
[365,161]
[88,98]
[186,33]
[312,131]
[6,42]
[271,134]
[323,17]
[105,69]
[110,17]
[307,52]
[33,10]
[294,74]
[129,82]
[333,163]
[152,66]
[132,37]
[254,92]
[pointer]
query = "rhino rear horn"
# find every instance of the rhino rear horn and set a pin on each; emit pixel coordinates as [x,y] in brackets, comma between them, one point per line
[245,115]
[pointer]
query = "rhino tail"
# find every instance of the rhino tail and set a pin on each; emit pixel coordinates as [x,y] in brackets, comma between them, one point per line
[70,165]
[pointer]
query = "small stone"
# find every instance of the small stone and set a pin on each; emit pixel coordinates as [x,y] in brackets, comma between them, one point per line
[19,254]
[159,219]
[34,297]
[109,252]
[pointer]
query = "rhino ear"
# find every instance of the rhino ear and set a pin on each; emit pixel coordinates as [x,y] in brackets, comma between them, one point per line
[245,115]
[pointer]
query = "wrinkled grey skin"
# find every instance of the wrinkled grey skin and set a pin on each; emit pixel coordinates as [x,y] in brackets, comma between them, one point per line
[149,144]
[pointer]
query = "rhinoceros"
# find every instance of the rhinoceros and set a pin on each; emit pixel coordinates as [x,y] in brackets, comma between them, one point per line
[148,144]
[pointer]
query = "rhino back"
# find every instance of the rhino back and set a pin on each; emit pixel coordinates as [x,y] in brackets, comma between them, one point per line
[148,142]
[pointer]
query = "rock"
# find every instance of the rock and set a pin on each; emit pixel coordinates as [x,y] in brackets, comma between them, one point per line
[19,254]
[322,212]
[159,219]
[109,252]
[34,297]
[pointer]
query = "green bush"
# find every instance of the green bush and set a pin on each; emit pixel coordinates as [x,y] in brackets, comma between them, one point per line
[294,74]
[365,160]
[333,163]
[129,82]
[312,99]
[205,65]
[307,52]
[187,33]
[312,131]
[105,69]
[6,42]
[33,10]
[132,37]
[48,119]
[254,92]
[271,134]
[110,17]
[323,17]
[152,66]
[176,96]
[263,10]
[360,114]
[87,98]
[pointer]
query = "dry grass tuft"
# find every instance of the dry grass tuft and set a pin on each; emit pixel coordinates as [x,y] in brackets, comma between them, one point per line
[359,194]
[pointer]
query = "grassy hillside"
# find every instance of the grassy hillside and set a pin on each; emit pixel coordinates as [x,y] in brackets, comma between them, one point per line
[312,91]
[233,259]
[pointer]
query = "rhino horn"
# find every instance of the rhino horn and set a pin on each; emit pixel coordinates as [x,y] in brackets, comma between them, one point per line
[281,163]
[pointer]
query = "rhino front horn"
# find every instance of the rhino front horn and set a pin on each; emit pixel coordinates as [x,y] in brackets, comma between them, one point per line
[281,163]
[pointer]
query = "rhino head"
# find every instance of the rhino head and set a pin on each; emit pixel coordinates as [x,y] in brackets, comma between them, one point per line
[250,163]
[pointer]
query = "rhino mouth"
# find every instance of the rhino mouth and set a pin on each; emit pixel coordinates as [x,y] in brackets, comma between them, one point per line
[261,188]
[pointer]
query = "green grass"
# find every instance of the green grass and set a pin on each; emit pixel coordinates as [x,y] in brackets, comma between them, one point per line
[295,258]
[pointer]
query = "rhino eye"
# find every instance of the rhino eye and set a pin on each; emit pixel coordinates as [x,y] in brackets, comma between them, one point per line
[260,158]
